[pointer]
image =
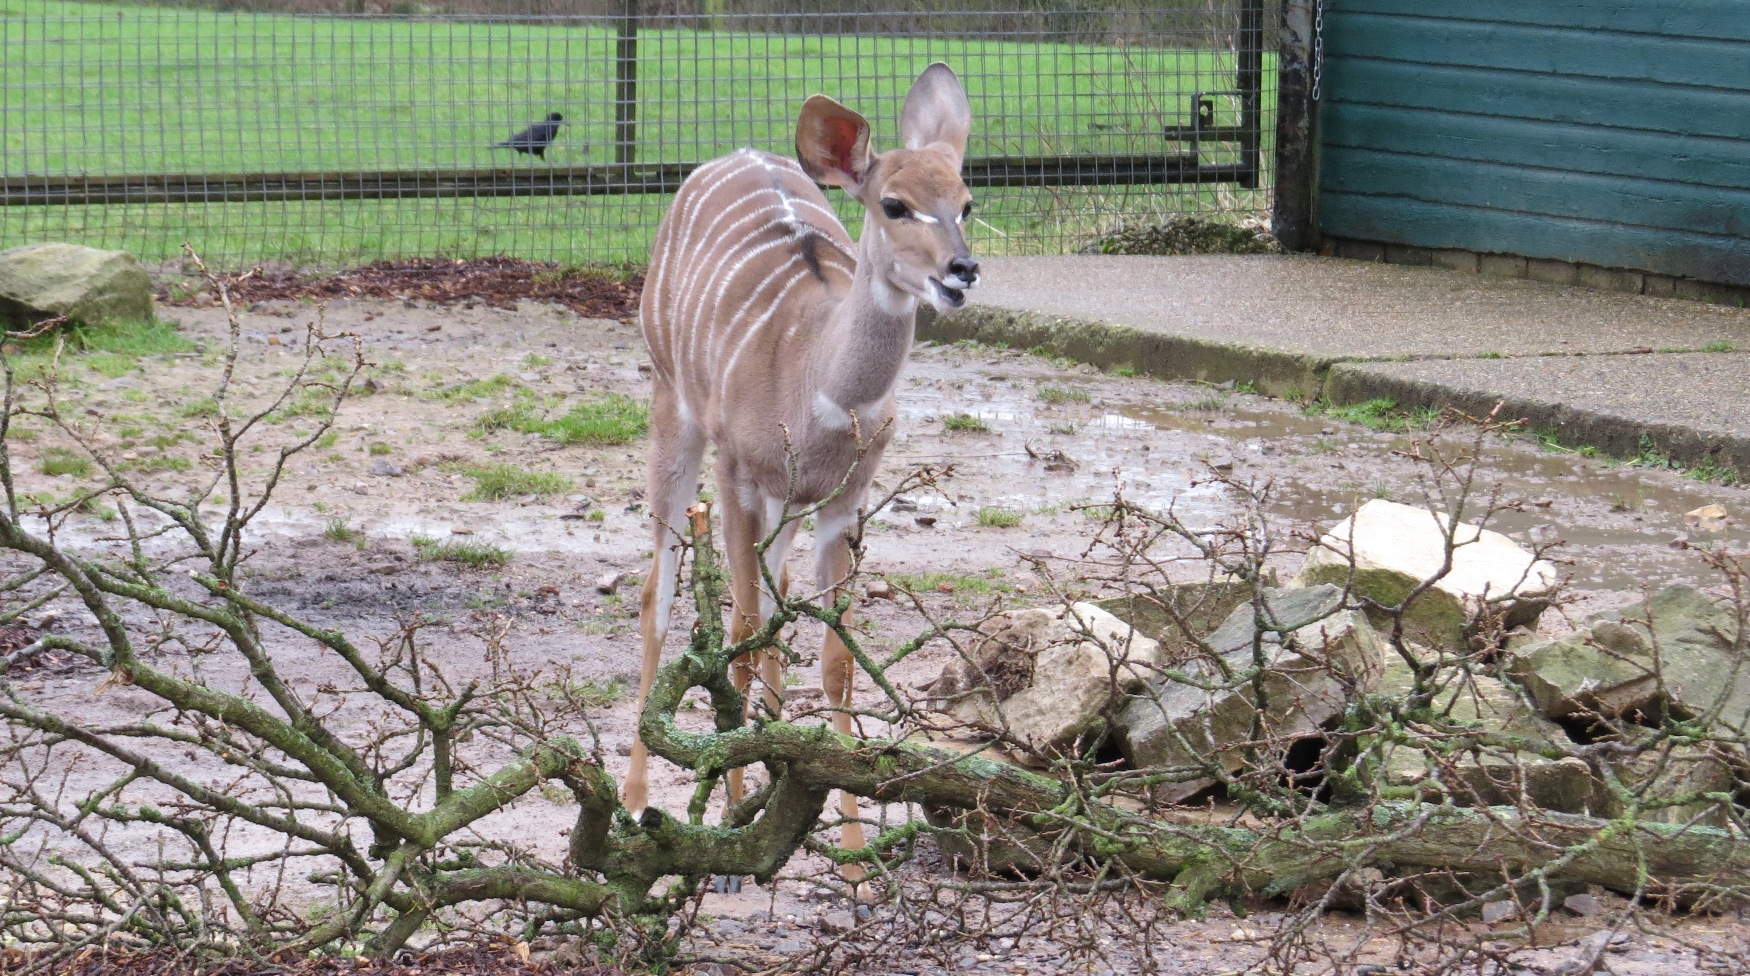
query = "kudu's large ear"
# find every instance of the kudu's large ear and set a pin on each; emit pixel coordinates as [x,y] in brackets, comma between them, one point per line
[832,143]
[936,111]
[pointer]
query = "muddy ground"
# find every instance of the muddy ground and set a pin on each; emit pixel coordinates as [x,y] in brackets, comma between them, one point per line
[1059,436]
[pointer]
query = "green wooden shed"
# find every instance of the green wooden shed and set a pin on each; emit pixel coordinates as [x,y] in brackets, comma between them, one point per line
[1607,133]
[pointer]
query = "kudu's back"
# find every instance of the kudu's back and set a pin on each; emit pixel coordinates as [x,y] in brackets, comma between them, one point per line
[745,258]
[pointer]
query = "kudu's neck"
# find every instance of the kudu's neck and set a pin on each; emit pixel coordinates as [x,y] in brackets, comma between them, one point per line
[869,333]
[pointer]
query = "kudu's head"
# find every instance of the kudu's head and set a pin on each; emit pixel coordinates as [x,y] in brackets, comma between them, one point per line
[915,233]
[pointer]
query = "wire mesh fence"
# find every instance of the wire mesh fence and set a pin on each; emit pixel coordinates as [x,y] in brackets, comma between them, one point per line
[323,138]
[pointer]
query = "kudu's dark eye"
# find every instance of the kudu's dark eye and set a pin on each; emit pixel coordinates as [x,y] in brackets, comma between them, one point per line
[966,212]
[894,209]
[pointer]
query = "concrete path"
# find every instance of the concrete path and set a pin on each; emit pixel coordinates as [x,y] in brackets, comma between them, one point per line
[1613,370]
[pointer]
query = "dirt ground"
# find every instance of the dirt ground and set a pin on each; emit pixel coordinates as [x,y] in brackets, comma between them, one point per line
[395,473]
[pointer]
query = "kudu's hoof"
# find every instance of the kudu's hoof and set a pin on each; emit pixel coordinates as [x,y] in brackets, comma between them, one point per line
[862,899]
[726,884]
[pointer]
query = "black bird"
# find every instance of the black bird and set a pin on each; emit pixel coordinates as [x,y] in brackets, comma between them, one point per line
[536,138]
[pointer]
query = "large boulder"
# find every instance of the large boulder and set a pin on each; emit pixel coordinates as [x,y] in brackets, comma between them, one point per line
[97,288]
[1046,675]
[1385,550]
[1463,708]
[1180,613]
[1315,656]
[1668,782]
[1678,652]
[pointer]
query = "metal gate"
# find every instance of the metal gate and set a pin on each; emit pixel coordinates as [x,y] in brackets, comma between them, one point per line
[325,138]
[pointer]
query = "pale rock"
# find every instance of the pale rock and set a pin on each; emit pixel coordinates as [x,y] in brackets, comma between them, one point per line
[1159,612]
[95,287]
[1046,674]
[1396,547]
[1676,783]
[1315,655]
[838,920]
[1708,518]
[1613,665]
[1497,911]
[1486,776]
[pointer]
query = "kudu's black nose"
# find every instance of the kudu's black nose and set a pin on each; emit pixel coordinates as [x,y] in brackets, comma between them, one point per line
[964,268]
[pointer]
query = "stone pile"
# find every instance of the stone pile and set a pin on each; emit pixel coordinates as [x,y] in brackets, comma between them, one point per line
[1231,673]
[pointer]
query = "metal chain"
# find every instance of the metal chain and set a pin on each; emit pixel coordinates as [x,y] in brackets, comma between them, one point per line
[1318,50]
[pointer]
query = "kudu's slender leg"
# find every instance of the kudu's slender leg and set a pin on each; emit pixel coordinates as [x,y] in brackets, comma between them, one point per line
[838,670]
[742,532]
[677,452]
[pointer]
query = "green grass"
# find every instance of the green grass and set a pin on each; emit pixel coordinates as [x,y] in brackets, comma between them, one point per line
[1710,469]
[591,692]
[1551,441]
[961,584]
[202,407]
[475,555]
[57,461]
[1210,403]
[380,449]
[310,403]
[301,94]
[338,531]
[1713,471]
[111,351]
[993,517]
[1719,347]
[1380,413]
[456,393]
[1649,456]
[966,423]
[81,502]
[497,482]
[158,464]
[130,339]
[607,420]
[1052,393]
[112,364]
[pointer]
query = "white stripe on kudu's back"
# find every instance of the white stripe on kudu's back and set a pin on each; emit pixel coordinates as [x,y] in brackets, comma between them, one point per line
[689,307]
[733,259]
[676,243]
[791,281]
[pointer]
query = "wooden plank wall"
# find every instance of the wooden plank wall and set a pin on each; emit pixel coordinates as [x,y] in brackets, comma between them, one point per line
[1607,132]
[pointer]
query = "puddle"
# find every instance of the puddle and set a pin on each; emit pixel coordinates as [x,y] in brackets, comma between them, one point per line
[1616,521]
[1607,514]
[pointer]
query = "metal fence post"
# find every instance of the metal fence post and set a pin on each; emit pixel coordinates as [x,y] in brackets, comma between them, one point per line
[626,86]
[1249,78]
[1292,217]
